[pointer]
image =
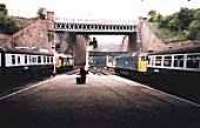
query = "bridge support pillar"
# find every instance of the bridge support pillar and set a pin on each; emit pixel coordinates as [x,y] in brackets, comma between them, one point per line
[132,43]
[80,50]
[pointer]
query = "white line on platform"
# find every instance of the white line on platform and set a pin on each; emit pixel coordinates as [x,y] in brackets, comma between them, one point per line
[167,94]
[26,88]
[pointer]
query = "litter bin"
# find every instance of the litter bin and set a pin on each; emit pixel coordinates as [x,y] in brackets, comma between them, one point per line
[78,80]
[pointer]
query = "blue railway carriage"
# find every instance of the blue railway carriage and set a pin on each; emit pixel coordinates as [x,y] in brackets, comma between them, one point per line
[110,63]
[131,65]
[24,63]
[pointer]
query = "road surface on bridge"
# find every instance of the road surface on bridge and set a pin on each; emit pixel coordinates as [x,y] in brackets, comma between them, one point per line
[106,101]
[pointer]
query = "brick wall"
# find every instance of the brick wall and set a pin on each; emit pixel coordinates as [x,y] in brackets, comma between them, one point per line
[5,40]
[34,35]
[150,42]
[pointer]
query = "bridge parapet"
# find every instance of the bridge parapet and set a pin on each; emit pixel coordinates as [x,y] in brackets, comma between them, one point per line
[97,21]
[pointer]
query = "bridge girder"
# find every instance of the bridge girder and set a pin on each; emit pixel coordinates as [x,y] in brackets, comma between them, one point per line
[83,28]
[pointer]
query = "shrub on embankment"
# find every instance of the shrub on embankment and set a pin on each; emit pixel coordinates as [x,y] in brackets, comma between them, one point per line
[180,26]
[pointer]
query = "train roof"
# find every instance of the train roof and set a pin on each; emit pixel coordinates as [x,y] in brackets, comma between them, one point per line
[193,49]
[127,55]
[24,50]
[61,55]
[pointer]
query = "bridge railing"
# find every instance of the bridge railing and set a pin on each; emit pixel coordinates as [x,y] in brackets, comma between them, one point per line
[93,26]
[94,21]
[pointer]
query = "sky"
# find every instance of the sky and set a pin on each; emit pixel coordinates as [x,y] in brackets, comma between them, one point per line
[117,10]
[98,9]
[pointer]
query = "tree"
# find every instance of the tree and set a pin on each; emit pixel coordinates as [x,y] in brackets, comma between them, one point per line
[8,24]
[178,21]
[197,14]
[185,23]
[42,13]
[152,15]
[174,23]
[159,18]
[194,30]
[94,43]
[164,23]
[185,16]
[3,9]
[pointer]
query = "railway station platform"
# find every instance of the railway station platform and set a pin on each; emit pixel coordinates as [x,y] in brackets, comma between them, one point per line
[105,101]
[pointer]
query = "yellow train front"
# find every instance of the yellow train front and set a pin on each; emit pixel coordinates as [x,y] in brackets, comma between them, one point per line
[142,63]
[64,63]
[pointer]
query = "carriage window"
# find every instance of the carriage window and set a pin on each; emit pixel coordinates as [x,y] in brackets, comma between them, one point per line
[193,61]
[39,59]
[178,61]
[143,58]
[18,59]
[158,60]
[13,59]
[25,59]
[34,59]
[150,60]
[167,61]
[30,59]
[51,59]
[126,62]
[47,59]
[67,60]
[44,58]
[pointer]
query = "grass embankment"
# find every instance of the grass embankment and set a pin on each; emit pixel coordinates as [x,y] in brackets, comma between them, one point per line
[167,35]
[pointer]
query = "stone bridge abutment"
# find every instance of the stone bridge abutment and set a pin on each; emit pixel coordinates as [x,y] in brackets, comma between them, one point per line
[69,36]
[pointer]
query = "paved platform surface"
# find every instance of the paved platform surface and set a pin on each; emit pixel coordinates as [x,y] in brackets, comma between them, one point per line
[106,101]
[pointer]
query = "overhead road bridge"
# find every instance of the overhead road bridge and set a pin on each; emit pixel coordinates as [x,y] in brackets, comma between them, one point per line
[95,27]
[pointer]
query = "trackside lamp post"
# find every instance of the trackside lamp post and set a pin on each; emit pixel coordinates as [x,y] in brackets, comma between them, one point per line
[54,59]
[54,53]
